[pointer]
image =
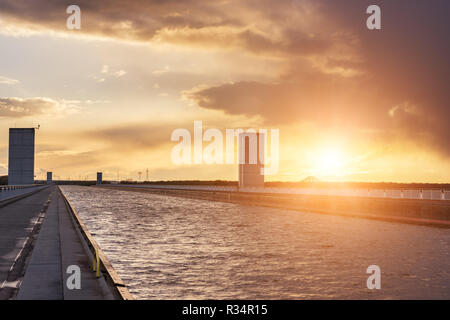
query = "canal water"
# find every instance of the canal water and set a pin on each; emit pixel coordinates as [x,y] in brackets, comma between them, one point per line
[175,248]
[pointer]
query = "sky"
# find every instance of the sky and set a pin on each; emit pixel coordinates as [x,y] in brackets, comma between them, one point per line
[350,104]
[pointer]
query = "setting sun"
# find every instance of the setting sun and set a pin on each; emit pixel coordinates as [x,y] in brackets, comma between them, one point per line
[329,162]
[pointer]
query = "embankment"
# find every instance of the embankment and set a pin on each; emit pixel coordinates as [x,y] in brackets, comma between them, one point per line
[434,213]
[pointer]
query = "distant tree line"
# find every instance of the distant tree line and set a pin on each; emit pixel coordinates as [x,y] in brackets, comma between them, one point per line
[186,182]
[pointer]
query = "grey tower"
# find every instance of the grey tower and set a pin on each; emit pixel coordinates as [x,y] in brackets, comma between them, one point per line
[99,177]
[49,177]
[21,156]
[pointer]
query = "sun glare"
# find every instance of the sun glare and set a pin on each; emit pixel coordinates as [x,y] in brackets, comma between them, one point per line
[330,162]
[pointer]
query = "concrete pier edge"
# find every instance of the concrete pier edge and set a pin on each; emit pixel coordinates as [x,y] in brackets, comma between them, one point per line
[112,279]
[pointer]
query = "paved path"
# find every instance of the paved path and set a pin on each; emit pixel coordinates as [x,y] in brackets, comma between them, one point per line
[58,247]
[38,241]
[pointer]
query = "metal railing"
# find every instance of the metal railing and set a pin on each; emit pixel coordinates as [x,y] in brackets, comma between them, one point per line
[11,188]
[417,194]
[9,194]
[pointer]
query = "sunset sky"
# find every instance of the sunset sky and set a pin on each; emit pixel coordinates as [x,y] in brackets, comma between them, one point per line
[350,103]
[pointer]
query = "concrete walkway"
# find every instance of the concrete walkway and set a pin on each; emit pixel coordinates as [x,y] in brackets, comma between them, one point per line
[43,274]
[59,246]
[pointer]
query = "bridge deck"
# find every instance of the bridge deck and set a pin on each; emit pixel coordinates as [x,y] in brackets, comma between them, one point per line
[18,222]
[38,272]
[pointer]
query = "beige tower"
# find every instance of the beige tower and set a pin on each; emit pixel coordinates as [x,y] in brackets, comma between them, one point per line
[251,160]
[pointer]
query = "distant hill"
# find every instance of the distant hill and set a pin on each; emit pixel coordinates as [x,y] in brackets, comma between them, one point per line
[310,179]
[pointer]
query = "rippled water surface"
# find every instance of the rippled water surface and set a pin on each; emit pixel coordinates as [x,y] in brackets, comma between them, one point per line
[175,248]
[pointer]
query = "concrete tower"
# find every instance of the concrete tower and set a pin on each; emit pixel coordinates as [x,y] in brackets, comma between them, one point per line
[251,160]
[21,156]
[99,178]
[49,177]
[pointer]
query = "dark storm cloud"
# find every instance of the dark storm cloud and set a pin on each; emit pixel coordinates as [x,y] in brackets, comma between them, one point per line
[390,80]
[402,87]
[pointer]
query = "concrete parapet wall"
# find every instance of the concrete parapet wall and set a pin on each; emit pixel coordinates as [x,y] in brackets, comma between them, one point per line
[424,212]
[112,279]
